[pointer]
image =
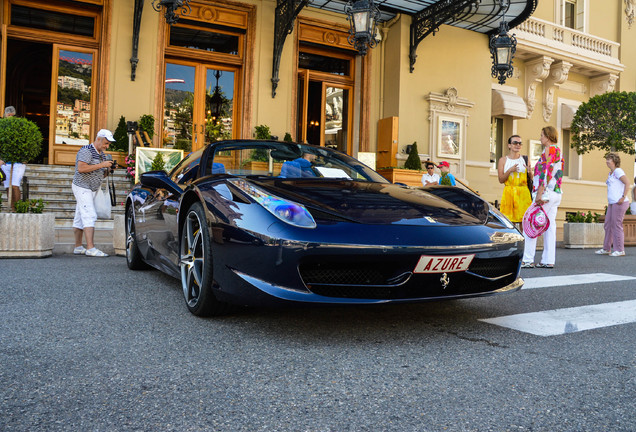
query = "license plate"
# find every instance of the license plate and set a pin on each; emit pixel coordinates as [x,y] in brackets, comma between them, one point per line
[443,264]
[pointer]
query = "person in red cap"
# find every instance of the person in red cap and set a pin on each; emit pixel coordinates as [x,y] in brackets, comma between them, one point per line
[446,177]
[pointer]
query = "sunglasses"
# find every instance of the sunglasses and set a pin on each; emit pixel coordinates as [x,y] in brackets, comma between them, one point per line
[516,142]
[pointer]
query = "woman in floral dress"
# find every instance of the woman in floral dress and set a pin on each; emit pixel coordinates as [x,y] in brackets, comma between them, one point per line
[546,192]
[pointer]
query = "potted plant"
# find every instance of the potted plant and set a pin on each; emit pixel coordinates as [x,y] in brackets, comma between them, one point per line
[258,161]
[30,234]
[410,175]
[582,231]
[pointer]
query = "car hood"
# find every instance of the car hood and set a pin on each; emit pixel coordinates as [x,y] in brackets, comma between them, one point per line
[380,203]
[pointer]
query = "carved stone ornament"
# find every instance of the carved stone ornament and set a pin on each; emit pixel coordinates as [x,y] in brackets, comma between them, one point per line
[602,84]
[449,101]
[536,71]
[558,75]
[451,94]
[630,11]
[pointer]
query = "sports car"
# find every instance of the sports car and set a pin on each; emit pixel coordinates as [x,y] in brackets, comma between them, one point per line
[258,222]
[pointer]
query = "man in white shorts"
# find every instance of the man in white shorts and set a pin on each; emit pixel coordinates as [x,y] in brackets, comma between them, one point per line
[90,169]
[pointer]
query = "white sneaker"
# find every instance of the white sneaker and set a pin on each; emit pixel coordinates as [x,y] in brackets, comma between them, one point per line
[94,252]
[80,250]
[602,252]
[617,254]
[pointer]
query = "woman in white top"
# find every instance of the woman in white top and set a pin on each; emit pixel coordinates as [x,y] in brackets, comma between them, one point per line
[617,203]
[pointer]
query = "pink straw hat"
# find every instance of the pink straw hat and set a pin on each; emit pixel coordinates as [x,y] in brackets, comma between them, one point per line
[535,221]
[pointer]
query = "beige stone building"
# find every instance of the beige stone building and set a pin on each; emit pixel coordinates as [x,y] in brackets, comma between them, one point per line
[226,67]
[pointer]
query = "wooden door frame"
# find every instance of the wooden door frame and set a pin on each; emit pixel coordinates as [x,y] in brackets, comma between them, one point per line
[227,14]
[332,35]
[100,42]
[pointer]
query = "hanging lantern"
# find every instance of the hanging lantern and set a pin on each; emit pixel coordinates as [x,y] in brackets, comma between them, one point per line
[363,17]
[502,49]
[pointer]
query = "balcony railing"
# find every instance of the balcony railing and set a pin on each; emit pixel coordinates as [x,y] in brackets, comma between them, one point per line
[548,37]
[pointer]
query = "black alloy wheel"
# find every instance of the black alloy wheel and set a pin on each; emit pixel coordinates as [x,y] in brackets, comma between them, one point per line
[196,265]
[133,256]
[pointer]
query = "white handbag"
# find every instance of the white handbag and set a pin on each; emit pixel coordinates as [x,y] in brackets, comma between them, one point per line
[102,205]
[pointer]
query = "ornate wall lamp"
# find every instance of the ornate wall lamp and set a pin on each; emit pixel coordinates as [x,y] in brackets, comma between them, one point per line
[363,17]
[502,48]
[171,7]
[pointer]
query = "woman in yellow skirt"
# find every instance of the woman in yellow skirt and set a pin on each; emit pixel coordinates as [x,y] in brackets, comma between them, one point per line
[512,172]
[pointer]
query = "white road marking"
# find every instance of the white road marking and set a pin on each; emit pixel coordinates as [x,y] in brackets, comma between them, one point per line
[554,281]
[569,320]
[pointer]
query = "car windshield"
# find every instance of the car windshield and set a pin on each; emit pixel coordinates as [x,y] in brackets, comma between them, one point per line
[288,161]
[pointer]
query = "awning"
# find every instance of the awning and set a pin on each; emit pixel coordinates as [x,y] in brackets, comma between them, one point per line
[509,104]
[567,115]
[482,16]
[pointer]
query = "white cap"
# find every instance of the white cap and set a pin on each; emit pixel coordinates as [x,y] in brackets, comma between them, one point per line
[105,133]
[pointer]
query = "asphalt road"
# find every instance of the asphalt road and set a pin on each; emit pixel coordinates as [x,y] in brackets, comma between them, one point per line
[87,345]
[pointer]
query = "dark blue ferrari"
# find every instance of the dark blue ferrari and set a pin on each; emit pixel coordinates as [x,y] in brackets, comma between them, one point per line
[251,222]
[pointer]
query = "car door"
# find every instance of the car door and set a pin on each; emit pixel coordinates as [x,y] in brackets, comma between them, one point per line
[161,211]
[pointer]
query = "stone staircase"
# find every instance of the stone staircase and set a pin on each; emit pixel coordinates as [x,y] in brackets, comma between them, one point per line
[52,183]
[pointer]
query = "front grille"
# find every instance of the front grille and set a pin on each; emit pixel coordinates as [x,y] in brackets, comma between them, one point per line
[353,273]
[394,280]
[494,267]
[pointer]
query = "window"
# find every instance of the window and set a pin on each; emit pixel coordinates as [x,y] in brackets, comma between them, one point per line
[571,163]
[51,20]
[199,39]
[496,140]
[571,14]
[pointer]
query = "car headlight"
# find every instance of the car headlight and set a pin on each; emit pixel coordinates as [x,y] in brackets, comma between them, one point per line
[288,211]
[499,216]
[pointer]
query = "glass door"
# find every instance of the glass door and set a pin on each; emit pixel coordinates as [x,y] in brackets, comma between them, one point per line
[72,101]
[198,105]
[336,117]
[219,104]
[178,107]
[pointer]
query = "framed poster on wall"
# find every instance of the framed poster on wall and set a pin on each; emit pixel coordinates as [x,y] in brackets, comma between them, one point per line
[449,139]
[146,156]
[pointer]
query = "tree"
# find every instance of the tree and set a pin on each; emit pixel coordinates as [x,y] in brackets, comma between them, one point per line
[147,124]
[413,162]
[158,164]
[20,141]
[606,122]
[121,137]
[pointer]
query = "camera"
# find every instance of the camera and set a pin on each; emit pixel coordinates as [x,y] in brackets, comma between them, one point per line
[131,127]
[114,165]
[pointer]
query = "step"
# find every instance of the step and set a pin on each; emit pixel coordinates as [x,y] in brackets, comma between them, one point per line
[65,236]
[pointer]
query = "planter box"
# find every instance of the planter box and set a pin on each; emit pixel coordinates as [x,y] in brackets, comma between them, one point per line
[583,235]
[629,229]
[400,175]
[119,235]
[257,166]
[27,235]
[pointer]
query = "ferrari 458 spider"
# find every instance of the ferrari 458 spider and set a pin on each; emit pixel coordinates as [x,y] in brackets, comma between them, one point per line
[252,222]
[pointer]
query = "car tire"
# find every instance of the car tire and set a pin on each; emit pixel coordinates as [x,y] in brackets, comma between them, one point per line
[195,261]
[133,256]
